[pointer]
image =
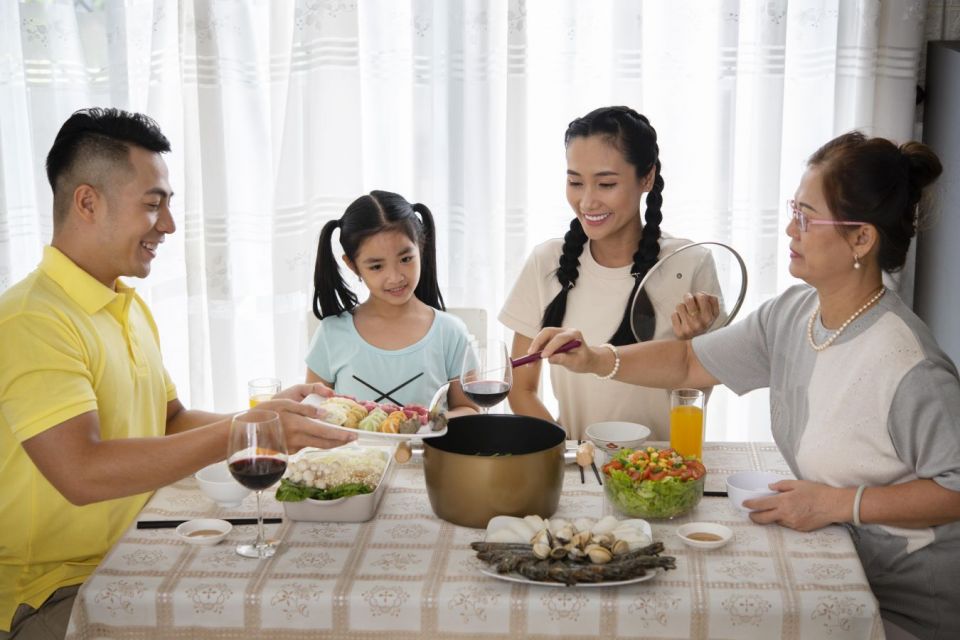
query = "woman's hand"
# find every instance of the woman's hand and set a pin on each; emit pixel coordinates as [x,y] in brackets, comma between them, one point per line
[582,359]
[299,427]
[802,505]
[695,315]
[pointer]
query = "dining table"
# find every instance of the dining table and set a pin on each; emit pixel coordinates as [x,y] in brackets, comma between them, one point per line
[407,574]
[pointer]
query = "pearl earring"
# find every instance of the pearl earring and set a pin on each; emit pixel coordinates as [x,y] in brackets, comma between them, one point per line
[856,261]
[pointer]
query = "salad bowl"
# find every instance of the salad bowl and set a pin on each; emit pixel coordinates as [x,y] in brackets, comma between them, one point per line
[653,483]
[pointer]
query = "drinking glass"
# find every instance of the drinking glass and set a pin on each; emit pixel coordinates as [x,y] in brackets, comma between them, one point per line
[686,422]
[486,374]
[262,389]
[257,457]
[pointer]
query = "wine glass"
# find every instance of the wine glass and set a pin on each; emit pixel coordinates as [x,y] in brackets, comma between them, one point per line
[257,458]
[486,374]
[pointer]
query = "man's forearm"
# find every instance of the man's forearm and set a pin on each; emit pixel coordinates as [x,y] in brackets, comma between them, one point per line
[187,419]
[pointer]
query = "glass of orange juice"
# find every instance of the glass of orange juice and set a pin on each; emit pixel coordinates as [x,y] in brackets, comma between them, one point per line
[262,389]
[686,422]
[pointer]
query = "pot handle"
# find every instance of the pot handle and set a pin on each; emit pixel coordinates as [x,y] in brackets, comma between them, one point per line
[405,451]
[583,455]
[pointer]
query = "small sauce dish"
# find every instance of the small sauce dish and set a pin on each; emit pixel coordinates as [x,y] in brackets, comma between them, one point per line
[204,531]
[704,535]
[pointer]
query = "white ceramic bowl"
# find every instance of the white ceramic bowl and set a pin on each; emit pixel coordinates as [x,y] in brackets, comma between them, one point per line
[613,436]
[746,485]
[218,485]
[204,531]
[715,530]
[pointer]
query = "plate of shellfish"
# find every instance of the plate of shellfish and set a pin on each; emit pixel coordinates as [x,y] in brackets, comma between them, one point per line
[577,553]
[382,421]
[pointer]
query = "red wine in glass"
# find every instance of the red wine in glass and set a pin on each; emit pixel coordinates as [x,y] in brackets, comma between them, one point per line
[259,472]
[486,374]
[257,457]
[487,393]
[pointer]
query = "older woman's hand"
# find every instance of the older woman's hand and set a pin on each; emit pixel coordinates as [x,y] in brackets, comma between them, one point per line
[582,359]
[800,505]
[695,315]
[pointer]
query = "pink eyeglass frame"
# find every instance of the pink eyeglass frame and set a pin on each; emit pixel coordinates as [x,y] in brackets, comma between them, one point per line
[803,222]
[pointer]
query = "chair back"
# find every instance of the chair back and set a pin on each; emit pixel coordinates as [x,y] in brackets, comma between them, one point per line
[476,321]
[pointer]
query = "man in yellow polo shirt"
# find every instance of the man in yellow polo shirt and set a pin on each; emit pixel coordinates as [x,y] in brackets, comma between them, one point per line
[89,419]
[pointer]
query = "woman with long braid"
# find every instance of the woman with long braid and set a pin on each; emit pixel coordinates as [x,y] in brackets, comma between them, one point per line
[588,279]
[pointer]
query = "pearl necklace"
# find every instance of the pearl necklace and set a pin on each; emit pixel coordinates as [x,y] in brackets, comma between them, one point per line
[836,334]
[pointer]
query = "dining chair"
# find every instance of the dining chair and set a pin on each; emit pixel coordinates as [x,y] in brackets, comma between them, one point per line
[476,320]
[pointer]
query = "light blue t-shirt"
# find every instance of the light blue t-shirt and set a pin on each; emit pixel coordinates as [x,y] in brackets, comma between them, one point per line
[339,355]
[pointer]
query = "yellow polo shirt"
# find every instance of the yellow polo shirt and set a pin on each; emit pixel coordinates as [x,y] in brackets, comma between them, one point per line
[68,345]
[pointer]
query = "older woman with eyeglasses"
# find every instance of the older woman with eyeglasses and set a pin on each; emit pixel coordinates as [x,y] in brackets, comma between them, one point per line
[864,405]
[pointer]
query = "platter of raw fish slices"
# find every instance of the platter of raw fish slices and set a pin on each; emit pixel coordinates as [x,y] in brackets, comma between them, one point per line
[379,421]
[580,553]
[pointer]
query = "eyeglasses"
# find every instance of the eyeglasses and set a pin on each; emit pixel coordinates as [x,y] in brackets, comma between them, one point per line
[803,222]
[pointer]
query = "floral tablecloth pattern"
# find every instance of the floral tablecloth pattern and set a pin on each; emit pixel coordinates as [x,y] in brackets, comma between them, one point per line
[413,575]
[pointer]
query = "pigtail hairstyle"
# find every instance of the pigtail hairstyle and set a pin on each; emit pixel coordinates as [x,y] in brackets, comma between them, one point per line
[331,295]
[380,211]
[567,274]
[633,135]
[428,290]
[874,181]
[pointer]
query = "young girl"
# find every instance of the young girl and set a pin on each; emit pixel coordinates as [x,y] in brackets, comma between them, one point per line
[588,278]
[398,346]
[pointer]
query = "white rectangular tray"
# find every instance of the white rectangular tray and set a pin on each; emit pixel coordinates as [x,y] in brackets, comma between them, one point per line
[352,509]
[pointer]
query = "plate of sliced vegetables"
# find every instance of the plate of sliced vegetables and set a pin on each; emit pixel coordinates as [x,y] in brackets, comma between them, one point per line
[381,421]
[579,553]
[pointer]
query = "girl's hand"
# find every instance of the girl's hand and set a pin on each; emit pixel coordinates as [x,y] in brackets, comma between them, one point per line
[582,359]
[695,315]
[299,428]
[800,505]
[300,391]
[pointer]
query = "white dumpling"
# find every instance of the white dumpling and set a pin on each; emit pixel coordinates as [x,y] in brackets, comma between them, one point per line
[606,524]
[556,524]
[584,524]
[505,534]
[536,522]
[523,530]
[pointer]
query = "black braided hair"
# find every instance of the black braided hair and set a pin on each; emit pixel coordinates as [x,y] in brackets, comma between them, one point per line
[366,216]
[567,274]
[633,135]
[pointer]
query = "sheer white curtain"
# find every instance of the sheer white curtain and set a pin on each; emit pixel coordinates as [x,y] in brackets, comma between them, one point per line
[280,113]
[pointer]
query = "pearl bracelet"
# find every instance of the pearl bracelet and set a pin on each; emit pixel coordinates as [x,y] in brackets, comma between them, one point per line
[856,505]
[616,362]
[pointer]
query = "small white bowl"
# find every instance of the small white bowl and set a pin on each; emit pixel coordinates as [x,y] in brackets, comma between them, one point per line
[693,528]
[746,485]
[218,484]
[204,531]
[613,436]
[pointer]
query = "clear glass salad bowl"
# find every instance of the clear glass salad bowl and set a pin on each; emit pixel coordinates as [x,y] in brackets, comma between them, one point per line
[644,488]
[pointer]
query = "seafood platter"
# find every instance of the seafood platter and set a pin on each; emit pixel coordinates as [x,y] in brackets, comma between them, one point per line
[583,552]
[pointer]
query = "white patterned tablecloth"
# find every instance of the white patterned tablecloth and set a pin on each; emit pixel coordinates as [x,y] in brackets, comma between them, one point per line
[408,574]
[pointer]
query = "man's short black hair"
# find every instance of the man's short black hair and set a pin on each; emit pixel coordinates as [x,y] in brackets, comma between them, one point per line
[98,134]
